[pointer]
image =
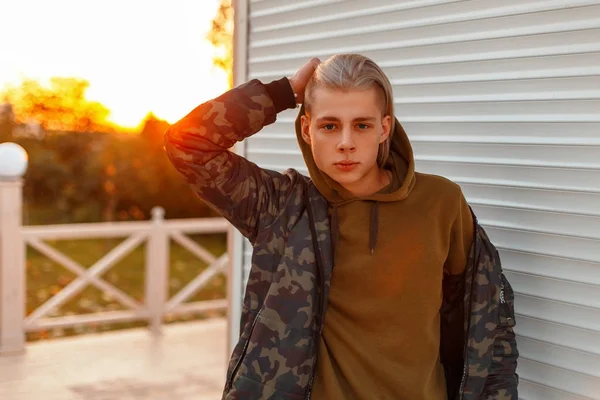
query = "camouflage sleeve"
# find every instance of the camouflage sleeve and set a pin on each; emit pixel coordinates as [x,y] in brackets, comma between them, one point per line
[503,380]
[198,146]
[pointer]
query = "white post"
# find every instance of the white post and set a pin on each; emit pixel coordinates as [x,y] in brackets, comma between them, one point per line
[157,269]
[13,164]
[235,284]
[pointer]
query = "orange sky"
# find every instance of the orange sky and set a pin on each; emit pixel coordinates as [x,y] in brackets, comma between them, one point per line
[139,56]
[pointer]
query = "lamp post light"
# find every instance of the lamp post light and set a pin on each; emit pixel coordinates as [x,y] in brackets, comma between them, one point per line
[13,161]
[13,164]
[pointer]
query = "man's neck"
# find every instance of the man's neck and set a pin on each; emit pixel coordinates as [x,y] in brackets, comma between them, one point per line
[381,179]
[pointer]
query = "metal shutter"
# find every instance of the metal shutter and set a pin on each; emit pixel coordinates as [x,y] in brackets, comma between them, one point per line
[502,97]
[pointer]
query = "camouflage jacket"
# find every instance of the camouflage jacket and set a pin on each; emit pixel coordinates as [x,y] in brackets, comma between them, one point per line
[286,220]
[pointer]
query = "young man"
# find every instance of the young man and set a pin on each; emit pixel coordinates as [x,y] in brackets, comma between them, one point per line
[369,280]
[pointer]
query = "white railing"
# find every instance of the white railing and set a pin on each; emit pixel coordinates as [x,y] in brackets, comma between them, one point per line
[156,233]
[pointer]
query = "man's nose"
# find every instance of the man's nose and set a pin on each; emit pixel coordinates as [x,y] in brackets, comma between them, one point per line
[346,141]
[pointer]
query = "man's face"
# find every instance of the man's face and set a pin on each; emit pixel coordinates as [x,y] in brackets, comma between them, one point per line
[344,130]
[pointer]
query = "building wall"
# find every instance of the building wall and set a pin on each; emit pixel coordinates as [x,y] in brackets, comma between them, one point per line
[502,97]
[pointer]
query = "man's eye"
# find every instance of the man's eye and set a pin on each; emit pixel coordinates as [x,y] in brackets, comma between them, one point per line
[362,127]
[329,127]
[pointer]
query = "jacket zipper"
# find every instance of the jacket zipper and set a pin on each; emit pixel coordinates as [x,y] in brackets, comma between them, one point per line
[310,386]
[312,374]
[239,361]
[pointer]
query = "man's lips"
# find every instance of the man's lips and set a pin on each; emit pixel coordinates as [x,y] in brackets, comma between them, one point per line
[346,165]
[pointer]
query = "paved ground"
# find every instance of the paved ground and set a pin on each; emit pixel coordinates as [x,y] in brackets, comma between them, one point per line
[187,362]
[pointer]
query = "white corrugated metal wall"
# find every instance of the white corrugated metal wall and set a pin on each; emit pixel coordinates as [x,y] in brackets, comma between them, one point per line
[503,97]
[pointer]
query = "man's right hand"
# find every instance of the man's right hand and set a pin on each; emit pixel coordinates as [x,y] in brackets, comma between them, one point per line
[300,79]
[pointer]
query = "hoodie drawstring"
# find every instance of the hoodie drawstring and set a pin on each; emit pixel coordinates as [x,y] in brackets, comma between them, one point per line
[374,227]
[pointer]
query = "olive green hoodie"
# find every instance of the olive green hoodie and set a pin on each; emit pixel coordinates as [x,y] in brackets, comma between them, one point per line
[391,250]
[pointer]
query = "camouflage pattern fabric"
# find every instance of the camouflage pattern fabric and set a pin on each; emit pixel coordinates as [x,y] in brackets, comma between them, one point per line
[286,220]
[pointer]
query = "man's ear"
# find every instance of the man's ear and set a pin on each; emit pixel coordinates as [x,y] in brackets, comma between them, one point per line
[386,125]
[305,123]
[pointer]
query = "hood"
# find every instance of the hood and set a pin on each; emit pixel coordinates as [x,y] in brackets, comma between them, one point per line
[401,164]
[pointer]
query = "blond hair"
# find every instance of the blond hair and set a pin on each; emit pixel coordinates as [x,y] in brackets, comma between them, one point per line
[354,71]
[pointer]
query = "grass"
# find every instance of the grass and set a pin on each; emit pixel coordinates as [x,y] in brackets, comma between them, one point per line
[46,278]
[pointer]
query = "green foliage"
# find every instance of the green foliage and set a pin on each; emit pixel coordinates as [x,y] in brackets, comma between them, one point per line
[221,37]
[90,177]
[60,105]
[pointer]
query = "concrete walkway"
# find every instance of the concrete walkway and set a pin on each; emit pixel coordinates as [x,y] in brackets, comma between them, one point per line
[187,362]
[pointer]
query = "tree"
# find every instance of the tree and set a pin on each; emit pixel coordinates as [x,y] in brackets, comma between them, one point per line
[7,122]
[221,37]
[61,106]
[153,130]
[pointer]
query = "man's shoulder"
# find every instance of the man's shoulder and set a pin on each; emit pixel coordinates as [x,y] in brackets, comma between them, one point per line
[438,184]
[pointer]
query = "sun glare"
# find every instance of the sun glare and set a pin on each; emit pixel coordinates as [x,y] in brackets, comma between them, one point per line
[139,56]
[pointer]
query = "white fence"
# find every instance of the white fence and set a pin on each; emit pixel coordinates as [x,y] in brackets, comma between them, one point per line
[156,233]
